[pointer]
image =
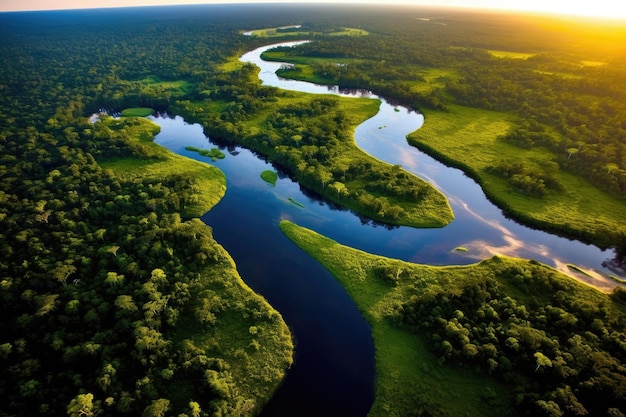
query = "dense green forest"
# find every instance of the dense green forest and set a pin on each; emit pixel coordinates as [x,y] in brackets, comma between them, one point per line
[531,340]
[555,83]
[116,299]
[312,138]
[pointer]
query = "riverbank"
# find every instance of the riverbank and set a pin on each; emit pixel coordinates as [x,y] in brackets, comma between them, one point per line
[320,152]
[421,369]
[469,139]
[159,163]
[223,318]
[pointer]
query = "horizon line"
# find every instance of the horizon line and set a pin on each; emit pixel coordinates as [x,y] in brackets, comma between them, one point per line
[504,10]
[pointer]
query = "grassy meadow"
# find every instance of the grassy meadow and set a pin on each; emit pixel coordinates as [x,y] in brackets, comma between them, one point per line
[410,378]
[259,351]
[300,32]
[469,139]
[210,182]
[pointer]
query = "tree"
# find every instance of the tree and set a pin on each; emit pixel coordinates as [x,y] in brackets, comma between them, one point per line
[296,139]
[83,406]
[114,279]
[126,303]
[158,408]
[542,360]
[62,273]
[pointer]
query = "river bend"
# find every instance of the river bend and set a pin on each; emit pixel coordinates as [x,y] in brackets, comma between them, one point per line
[333,372]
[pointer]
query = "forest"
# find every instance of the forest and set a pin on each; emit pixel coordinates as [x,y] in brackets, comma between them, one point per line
[502,337]
[116,298]
[557,89]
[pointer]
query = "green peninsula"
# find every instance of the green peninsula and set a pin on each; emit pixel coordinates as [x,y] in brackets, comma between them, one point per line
[502,337]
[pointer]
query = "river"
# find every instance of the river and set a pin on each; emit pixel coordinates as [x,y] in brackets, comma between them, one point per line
[333,372]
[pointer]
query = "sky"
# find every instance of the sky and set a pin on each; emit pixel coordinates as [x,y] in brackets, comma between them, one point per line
[591,8]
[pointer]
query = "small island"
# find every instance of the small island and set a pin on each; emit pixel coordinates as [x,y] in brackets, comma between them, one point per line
[269,176]
[212,153]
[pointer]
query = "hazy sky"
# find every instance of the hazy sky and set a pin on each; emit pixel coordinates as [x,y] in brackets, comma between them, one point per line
[602,8]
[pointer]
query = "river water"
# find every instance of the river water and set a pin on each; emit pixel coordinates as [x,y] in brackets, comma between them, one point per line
[333,372]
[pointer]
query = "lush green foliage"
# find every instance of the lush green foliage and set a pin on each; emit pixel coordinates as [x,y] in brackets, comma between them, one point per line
[137,112]
[527,183]
[564,104]
[312,137]
[115,301]
[269,176]
[212,153]
[555,345]
[309,30]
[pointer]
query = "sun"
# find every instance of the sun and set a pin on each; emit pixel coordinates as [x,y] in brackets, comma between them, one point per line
[595,8]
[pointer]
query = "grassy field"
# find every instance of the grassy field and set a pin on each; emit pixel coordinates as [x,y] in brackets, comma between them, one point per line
[408,376]
[510,54]
[257,351]
[410,380]
[210,181]
[176,85]
[137,112]
[468,138]
[276,33]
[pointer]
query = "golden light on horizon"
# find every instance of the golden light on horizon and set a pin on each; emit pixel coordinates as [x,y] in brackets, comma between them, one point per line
[611,9]
[599,8]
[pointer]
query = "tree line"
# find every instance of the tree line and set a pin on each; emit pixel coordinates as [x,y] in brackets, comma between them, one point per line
[115,301]
[561,351]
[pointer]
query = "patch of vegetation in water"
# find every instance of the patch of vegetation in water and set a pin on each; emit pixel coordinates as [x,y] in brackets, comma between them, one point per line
[269,176]
[137,112]
[296,202]
[212,153]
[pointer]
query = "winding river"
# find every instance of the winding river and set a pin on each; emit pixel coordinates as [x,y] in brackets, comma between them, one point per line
[333,372]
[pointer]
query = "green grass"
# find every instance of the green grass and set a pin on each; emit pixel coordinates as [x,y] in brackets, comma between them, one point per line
[468,138]
[269,176]
[137,112]
[408,376]
[257,350]
[510,54]
[296,202]
[175,85]
[212,153]
[210,181]
[275,33]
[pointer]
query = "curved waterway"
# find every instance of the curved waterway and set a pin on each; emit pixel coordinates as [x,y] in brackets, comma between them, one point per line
[333,372]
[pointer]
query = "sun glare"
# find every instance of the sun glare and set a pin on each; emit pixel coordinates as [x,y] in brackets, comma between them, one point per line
[598,8]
